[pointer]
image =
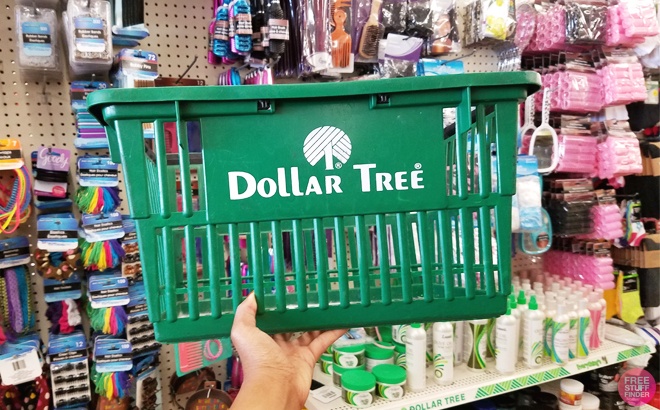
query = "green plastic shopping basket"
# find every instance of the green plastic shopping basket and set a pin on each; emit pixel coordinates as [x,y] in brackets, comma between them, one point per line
[343,204]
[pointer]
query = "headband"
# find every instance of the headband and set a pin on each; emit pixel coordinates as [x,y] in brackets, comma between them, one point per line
[17,299]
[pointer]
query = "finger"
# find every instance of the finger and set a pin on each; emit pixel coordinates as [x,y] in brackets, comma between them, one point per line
[305,339]
[246,314]
[324,340]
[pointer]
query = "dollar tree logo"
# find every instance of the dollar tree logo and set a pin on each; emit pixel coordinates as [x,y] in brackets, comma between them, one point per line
[329,143]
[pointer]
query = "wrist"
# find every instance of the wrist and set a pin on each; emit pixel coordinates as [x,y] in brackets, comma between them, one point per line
[275,388]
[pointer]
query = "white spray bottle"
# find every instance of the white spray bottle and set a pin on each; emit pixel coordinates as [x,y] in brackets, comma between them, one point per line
[443,353]
[550,312]
[533,335]
[416,358]
[572,327]
[595,312]
[506,343]
[584,330]
[458,342]
[603,315]
[560,336]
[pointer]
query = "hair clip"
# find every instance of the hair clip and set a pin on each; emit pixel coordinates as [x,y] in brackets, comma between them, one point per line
[142,328]
[61,369]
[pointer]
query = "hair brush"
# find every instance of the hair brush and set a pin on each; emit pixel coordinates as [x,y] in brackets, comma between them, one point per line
[371,33]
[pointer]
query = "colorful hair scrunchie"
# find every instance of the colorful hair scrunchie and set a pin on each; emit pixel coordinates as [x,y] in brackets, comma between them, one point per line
[110,321]
[101,255]
[64,316]
[58,265]
[97,200]
[111,385]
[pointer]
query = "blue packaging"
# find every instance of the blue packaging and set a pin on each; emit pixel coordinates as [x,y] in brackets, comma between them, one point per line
[57,232]
[14,252]
[59,290]
[527,200]
[97,171]
[112,354]
[106,290]
[102,227]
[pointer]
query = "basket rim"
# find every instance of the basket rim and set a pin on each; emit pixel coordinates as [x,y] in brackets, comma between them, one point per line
[100,99]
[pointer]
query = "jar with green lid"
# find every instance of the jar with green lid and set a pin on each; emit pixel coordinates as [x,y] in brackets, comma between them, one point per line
[379,353]
[326,363]
[390,381]
[338,371]
[351,356]
[400,355]
[358,387]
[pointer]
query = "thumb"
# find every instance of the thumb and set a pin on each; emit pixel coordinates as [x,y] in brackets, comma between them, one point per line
[246,314]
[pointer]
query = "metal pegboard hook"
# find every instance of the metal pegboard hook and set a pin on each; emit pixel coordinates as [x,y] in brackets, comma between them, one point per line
[43,92]
[178,80]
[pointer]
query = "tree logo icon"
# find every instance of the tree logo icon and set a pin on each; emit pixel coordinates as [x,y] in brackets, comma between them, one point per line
[330,143]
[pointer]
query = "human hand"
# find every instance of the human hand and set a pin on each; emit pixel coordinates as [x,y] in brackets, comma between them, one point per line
[277,370]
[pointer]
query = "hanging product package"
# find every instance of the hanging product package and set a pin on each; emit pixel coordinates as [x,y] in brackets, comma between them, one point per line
[444,24]
[314,21]
[89,37]
[420,18]
[37,35]
[489,20]
[586,21]
[395,14]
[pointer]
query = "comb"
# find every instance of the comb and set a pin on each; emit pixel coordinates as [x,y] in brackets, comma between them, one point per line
[371,33]
[189,357]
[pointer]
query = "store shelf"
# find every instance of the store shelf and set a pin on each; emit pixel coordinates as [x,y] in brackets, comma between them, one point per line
[470,386]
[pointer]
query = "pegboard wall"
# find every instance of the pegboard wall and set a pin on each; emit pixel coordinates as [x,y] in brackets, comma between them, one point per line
[38,112]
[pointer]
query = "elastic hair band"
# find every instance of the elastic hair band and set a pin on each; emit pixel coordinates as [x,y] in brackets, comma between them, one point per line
[51,176]
[96,200]
[101,255]
[110,321]
[111,385]
[15,203]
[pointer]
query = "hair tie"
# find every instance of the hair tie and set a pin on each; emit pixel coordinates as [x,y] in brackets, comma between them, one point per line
[101,255]
[58,265]
[110,320]
[111,385]
[15,202]
[96,199]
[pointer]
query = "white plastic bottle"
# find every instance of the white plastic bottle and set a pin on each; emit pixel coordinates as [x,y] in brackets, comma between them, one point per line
[584,330]
[416,357]
[443,353]
[595,312]
[533,335]
[550,312]
[560,336]
[458,342]
[521,303]
[603,315]
[513,306]
[474,351]
[506,343]
[572,327]
[429,343]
